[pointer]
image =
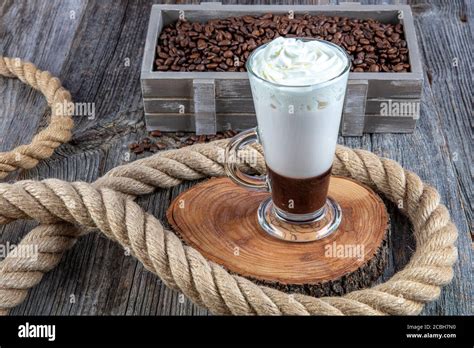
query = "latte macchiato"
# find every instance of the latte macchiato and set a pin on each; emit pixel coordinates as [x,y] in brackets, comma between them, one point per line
[298,87]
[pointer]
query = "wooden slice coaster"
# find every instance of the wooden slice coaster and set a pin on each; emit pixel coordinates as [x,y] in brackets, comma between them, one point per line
[219,218]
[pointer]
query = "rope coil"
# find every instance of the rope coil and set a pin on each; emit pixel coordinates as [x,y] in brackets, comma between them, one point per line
[107,205]
[56,133]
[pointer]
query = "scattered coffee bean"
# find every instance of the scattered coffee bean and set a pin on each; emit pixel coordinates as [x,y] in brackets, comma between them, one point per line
[133,146]
[181,139]
[138,150]
[161,146]
[155,133]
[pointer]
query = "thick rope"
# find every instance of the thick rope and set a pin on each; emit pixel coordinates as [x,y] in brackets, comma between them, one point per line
[56,133]
[106,205]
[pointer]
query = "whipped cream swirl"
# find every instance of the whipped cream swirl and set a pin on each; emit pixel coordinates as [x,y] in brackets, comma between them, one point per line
[294,62]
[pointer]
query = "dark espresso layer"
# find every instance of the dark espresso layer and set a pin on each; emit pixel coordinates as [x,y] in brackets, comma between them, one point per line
[299,196]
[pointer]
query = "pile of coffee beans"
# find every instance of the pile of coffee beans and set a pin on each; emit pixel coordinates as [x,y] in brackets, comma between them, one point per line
[157,140]
[225,44]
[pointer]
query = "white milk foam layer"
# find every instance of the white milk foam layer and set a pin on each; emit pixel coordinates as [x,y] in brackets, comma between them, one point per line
[294,62]
[298,121]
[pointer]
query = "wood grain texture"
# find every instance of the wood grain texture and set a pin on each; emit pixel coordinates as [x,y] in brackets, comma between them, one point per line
[90,54]
[219,219]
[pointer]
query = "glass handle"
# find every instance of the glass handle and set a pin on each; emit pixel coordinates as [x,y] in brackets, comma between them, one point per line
[231,160]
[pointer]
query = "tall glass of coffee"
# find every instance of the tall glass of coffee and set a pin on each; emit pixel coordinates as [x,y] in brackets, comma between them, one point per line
[298,87]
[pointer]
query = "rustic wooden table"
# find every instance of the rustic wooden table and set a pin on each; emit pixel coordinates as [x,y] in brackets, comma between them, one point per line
[96,48]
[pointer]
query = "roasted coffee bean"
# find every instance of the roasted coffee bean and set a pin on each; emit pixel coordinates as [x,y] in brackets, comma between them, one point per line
[153,148]
[133,146]
[392,50]
[224,43]
[160,145]
[138,150]
[398,67]
[193,46]
[155,133]
[228,134]
[201,44]
[374,68]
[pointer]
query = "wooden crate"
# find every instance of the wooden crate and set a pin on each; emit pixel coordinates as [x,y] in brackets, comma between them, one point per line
[206,102]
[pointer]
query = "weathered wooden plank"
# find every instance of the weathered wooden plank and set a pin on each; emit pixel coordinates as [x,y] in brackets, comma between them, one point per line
[373,106]
[393,107]
[352,122]
[167,87]
[97,272]
[181,105]
[399,88]
[187,122]
[398,115]
[388,124]
[385,13]
[204,103]
[236,85]
[41,32]
[446,41]
[155,26]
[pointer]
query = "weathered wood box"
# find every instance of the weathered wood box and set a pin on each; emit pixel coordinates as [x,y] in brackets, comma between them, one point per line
[206,102]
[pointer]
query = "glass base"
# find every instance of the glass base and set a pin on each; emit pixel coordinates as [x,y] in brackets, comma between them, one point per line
[325,222]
